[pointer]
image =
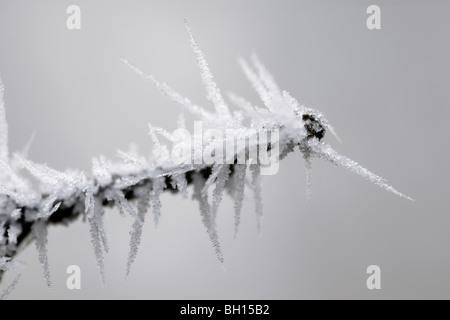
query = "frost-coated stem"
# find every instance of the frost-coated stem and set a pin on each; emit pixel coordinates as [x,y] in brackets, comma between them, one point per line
[45,196]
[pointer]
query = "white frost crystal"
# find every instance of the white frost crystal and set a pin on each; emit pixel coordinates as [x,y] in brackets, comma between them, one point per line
[213,92]
[13,232]
[207,218]
[4,151]
[6,264]
[40,236]
[157,189]
[219,190]
[98,236]
[143,205]
[256,183]
[42,195]
[239,189]
[179,181]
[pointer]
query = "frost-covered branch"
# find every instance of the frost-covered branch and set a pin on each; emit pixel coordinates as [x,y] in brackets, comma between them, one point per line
[28,205]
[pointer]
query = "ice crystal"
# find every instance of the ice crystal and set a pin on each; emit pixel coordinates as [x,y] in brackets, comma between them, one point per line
[157,189]
[143,205]
[98,236]
[205,211]
[239,189]
[179,181]
[256,183]
[40,233]
[10,288]
[221,181]
[33,195]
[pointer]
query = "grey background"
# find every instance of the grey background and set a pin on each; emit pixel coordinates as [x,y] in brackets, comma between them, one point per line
[385,91]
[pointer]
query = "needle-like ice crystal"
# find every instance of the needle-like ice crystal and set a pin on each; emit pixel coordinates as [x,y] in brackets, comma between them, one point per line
[30,202]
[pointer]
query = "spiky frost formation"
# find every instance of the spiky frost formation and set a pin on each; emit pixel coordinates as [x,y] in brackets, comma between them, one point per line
[27,207]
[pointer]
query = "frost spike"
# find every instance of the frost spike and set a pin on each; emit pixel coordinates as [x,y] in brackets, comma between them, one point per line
[293,103]
[308,167]
[170,93]
[95,216]
[323,150]
[2,233]
[242,103]
[10,288]
[334,133]
[7,263]
[212,177]
[13,232]
[213,92]
[4,149]
[136,232]
[161,131]
[265,76]
[257,192]
[113,180]
[256,83]
[179,181]
[40,233]
[181,121]
[205,211]
[239,181]
[27,147]
[160,151]
[16,214]
[89,202]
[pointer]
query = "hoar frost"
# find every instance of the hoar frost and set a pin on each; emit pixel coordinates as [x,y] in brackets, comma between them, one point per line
[28,205]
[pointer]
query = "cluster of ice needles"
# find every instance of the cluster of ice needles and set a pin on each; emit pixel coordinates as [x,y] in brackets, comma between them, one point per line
[33,196]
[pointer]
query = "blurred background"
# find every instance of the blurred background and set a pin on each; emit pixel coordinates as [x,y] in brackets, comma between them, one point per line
[385,91]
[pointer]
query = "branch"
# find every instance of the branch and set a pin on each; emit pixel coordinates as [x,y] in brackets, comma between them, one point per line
[50,197]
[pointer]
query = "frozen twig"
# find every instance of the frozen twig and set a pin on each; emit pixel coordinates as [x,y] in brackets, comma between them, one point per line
[28,205]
